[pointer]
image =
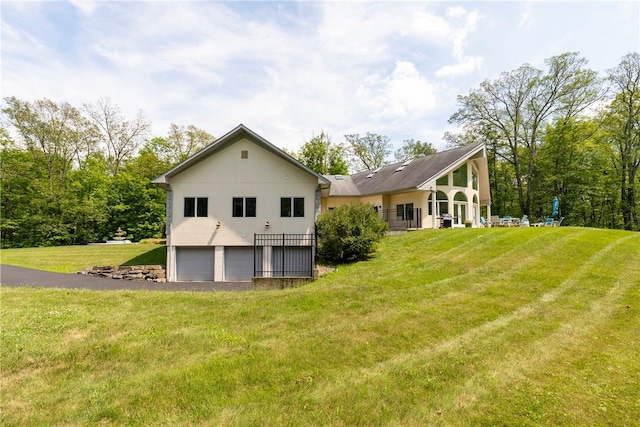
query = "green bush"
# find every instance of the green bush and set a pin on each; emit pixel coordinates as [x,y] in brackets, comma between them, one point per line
[348,233]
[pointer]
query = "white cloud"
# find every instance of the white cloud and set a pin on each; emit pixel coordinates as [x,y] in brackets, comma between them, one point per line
[404,93]
[465,65]
[84,6]
[526,18]
[290,69]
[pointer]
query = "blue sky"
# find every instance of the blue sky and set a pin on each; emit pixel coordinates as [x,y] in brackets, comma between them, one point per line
[290,70]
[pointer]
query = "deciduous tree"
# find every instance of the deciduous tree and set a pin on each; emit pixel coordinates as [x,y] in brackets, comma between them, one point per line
[323,157]
[120,137]
[412,149]
[369,151]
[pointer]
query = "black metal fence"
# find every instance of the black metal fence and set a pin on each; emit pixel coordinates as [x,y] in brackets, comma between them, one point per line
[402,219]
[284,255]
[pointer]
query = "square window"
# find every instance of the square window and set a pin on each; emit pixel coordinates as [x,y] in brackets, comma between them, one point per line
[292,207]
[244,207]
[244,154]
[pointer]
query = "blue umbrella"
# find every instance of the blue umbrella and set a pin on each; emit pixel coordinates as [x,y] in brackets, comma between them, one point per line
[556,203]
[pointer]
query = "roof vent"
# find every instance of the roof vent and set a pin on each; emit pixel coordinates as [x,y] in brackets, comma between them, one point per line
[404,165]
[370,175]
[338,177]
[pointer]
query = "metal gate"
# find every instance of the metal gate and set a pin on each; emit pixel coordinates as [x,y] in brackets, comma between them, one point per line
[284,255]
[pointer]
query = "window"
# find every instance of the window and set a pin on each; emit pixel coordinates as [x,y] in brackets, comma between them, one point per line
[405,212]
[460,176]
[196,206]
[442,204]
[474,178]
[443,180]
[244,207]
[292,206]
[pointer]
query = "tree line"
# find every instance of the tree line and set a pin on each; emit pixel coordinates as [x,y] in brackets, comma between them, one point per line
[563,131]
[74,175]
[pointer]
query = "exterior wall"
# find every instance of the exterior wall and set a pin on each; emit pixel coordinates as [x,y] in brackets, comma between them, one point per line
[334,202]
[420,198]
[225,175]
[450,190]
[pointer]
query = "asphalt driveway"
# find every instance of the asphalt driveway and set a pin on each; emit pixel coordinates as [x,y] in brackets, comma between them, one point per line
[18,276]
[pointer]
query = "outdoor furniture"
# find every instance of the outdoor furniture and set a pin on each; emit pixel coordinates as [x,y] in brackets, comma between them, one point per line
[557,223]
[495,220]
[548,222]
[484,222]
[446,221]
[505,221]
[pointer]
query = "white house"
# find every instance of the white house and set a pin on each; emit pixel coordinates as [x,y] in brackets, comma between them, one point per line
[240,207]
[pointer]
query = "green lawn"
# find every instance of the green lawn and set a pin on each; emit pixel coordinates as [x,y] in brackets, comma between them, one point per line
[464,327]
[69,259]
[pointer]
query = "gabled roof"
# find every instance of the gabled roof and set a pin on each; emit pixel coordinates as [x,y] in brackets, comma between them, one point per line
[241,131]
[405,175]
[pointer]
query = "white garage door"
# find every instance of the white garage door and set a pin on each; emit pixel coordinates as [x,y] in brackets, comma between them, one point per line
[194,264]
[238,263]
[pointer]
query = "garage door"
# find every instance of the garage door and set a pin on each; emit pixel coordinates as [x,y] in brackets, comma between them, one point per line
[194,264]
[298,261]
[238,263]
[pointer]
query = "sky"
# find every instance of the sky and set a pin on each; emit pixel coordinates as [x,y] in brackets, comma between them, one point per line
[290,70]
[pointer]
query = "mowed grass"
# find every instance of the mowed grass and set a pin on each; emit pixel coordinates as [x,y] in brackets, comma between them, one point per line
[470,327]
[69,259]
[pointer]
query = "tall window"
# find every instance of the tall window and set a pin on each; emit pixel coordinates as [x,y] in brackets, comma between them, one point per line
[474,178]
[460,176]
[292,207]
[244,207]
[196,206]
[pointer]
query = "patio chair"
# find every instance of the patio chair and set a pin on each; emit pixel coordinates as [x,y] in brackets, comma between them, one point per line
[495,220]
[548,222]
[484,222]
[505,221]
[557,223]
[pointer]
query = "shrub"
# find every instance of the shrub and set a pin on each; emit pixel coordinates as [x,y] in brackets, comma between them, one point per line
[348,233]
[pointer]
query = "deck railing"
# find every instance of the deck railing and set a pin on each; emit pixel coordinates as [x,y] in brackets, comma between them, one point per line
[402,220]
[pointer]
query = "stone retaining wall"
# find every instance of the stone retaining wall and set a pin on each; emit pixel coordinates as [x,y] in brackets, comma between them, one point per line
[148,273]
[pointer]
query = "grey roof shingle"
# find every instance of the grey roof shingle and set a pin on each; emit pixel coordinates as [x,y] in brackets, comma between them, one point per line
[388,180]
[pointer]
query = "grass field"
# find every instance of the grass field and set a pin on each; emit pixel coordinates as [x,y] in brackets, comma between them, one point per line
[69,259]
[464,327]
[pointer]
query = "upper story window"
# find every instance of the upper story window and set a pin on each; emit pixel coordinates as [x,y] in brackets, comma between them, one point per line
[460,176]
[244,207]
[443,180]
[474,178]
[292,207]
[196,206]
